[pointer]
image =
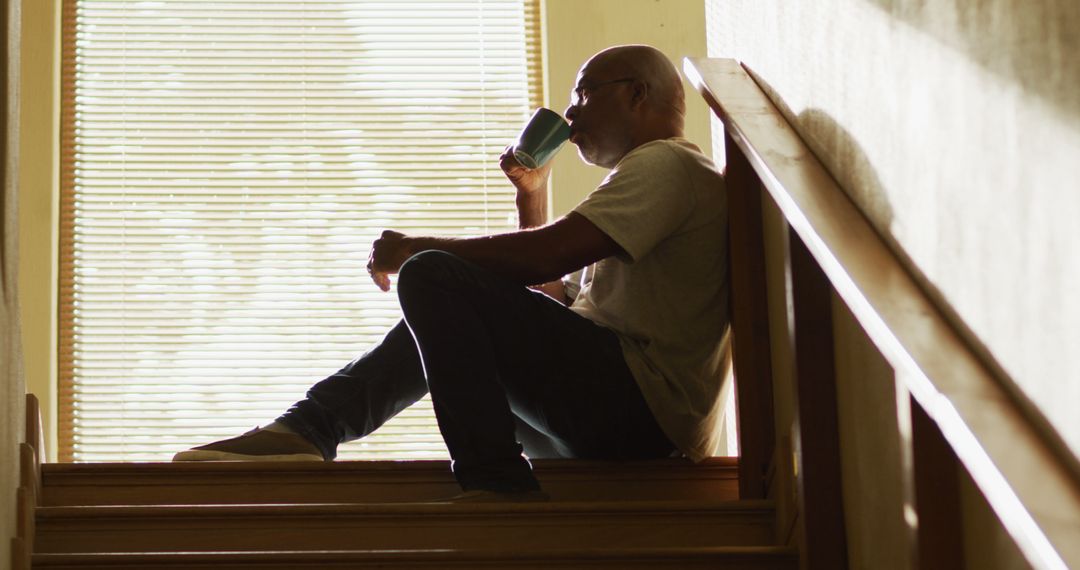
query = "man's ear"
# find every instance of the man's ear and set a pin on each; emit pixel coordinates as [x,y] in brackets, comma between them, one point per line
[640,93]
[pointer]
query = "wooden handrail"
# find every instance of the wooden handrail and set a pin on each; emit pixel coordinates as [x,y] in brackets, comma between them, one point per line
[1033,491]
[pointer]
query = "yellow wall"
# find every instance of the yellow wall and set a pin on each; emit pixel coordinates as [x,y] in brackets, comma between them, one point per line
[577,29]
[38,195]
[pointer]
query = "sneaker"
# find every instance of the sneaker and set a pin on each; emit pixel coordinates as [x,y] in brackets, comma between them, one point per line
[486,496]
[255,445]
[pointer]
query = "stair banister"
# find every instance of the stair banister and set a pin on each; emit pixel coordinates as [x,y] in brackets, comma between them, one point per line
[1024,471]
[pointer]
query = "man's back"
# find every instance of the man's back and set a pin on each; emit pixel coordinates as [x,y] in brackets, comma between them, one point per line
[665,205]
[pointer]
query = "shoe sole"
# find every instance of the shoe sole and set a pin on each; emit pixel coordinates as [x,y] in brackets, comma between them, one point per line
[206,455]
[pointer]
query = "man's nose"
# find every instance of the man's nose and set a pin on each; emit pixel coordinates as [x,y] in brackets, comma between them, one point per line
[570,112]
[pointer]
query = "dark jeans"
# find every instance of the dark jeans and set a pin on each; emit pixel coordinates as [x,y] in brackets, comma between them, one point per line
[503,364]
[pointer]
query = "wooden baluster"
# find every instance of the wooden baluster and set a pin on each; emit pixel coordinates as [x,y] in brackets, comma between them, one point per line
[750,324]
[824,536]
[937,495]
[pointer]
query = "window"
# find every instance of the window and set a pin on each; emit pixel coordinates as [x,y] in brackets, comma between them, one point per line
[226,167]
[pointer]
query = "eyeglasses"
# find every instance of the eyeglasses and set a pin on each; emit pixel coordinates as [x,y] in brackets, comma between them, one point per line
[580,94]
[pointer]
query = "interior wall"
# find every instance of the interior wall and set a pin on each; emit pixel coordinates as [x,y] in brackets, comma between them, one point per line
[577,29]
[39,174]
[955,126]
[12,400]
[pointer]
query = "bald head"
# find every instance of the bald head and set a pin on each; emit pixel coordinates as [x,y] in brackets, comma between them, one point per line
[625,96]
[650,65]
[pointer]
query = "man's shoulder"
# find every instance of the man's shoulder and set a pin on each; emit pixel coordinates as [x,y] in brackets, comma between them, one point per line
[676,145]
[675,150]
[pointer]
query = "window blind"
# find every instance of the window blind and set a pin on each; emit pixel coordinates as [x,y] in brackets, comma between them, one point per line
[226,166]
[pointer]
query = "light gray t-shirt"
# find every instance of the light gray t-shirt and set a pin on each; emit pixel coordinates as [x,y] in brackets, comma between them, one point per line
[665,204]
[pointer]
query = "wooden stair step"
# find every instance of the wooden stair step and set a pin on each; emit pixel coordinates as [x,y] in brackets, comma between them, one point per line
[729,558]
[403,526]
[73,484]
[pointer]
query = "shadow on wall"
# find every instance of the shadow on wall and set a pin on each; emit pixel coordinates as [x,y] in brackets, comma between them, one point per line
[849,166]
[841,155]
[1033,43]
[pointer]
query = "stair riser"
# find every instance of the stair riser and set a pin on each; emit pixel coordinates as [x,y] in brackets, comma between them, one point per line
[360,490]
[284,532]
[223,491]
[367,482]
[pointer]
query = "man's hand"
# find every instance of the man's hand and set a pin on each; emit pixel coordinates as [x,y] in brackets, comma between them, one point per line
[526,180]
[388,253]
[531,184]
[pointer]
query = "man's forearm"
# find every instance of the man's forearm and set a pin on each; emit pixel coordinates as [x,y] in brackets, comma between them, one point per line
[532,209]
[533,213]
[509,255]
[528,257]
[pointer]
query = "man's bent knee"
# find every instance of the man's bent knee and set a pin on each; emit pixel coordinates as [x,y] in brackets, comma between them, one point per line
[431,263]
[428,268]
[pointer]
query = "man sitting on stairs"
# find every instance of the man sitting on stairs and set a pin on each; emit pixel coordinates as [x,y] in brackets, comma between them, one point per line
[626,366]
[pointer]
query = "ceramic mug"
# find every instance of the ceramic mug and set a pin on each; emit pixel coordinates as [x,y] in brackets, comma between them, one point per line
[541,139]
